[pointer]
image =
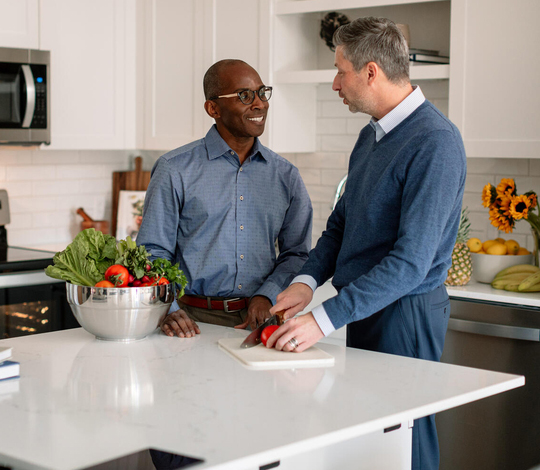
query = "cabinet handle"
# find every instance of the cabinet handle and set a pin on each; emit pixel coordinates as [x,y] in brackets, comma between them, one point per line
[493,329]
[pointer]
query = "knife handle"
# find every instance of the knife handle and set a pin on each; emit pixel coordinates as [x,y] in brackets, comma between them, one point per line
[280,315]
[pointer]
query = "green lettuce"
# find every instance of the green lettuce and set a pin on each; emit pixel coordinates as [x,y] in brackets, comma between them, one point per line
[85,259]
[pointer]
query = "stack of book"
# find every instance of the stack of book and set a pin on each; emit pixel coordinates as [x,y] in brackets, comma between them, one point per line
[426,56]
[8,369]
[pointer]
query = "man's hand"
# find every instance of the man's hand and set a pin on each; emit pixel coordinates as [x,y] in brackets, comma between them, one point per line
[258,312]
[178,323]
[292,300]
[303,328]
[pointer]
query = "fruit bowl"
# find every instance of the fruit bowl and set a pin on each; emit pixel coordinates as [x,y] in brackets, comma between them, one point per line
[120,314]
[485,267]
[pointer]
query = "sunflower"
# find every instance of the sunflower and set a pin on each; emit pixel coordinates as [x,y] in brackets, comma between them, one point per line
[506,187]
[502,222]
[489,194]
[533,198]
[501,205]
[519,207]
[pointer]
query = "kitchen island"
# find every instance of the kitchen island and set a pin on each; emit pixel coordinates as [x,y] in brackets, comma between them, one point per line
[80,402]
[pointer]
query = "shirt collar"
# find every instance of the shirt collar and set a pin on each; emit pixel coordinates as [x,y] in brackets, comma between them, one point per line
[401,112]
[216,146]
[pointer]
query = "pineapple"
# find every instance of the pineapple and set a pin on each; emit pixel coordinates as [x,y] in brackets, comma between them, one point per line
[460,271]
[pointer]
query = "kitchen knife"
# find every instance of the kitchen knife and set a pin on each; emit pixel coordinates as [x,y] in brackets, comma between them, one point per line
[254,338]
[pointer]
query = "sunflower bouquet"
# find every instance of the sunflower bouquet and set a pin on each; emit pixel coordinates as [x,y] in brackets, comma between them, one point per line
[506,206]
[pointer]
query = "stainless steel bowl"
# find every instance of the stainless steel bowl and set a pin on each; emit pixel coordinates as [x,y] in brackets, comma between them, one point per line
[120,314]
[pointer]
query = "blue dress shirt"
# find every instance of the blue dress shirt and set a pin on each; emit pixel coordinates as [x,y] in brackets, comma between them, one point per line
[220,219]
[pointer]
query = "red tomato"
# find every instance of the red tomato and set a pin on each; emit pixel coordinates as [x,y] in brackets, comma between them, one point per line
[162,281]
[118,275]
[267,332]
[104,284]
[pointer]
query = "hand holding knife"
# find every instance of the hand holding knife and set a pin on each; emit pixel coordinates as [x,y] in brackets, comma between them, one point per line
[254,338]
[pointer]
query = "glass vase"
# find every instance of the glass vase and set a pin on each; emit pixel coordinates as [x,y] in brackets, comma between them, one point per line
[536,237]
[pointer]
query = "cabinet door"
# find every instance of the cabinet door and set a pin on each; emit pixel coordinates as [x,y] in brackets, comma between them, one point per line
[90,59]
[495,76]
[178,38]
[19,24]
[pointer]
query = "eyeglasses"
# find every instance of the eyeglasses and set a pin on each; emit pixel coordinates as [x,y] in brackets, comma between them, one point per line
[248,96]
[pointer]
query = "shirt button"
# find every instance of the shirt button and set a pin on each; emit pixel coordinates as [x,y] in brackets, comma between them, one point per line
[232,153]
[241,256]
[241,198]
[241,169]
[240,286]
[241,227]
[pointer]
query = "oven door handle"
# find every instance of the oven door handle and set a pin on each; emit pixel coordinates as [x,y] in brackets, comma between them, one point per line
[30,95]
[493,329]
[25,279]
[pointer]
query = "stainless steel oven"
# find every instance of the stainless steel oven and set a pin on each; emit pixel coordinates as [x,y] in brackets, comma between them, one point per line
[30,301]
[24,97]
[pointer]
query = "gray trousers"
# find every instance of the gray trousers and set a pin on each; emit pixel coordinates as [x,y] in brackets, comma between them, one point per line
[215,317]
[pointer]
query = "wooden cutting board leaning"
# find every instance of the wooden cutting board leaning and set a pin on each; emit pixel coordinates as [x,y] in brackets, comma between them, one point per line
[262,358]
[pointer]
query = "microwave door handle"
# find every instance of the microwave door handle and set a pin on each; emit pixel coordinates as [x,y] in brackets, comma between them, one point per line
[30,95]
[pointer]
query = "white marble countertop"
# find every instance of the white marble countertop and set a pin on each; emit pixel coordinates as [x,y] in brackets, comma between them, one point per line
[478,291]
[80,401]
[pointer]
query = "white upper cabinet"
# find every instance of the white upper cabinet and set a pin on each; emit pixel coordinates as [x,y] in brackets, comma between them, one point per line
[495,77]
[92,72]
[177,40]
[19,24]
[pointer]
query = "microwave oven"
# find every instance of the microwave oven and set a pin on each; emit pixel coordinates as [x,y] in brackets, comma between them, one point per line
[25,111]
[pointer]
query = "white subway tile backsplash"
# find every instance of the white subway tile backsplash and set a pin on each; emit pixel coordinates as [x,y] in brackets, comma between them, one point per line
[55,157]
[331,177]
[30,172]
[53,188]
[334,109]
[338,143]
[332,126]
[20,221]
[508,167]
[310,176]
[357,123]
[323,194]
[32,204]
[322,160]
[15,157]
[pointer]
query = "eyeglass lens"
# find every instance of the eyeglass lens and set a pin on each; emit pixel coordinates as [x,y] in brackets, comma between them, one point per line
[248,96]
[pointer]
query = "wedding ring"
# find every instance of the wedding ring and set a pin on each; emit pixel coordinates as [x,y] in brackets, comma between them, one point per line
[293,343]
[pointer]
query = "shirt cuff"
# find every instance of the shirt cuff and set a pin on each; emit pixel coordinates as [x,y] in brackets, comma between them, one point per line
[174,307]
[306,279]
[321,317]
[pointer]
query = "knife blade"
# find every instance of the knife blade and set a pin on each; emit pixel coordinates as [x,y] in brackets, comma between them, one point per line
[254,338]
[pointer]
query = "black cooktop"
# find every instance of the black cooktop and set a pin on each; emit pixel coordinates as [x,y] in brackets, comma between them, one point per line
[16,259]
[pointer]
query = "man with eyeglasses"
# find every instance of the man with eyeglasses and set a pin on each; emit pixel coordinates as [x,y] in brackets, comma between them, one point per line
[218,206]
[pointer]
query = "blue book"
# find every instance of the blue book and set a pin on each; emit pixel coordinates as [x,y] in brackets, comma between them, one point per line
[9,369]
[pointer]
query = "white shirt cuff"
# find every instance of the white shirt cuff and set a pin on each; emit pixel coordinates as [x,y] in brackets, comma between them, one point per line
[306,279]
[321,317]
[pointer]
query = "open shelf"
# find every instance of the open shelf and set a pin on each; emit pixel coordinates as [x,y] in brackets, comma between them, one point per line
[417,72]
[291,7]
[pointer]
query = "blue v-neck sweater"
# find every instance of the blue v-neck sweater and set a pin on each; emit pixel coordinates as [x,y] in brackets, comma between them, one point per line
[393,231]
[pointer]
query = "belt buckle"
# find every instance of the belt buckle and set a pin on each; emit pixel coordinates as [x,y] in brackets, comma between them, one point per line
[226,305]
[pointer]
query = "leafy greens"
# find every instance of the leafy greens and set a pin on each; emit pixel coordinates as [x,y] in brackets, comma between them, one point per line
[85,259]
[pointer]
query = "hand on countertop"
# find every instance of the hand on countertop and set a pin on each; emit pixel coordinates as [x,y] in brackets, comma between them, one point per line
[293,300]
[178,323]
[258,312]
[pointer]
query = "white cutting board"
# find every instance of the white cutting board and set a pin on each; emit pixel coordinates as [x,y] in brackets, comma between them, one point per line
[261,358]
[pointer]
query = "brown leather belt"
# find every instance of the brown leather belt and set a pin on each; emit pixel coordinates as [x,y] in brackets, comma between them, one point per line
[227,305]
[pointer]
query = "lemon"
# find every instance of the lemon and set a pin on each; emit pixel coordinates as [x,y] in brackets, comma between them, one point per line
[474,244]
[512,246]
[523,251]
[497,249]
[500,240]
[487,244]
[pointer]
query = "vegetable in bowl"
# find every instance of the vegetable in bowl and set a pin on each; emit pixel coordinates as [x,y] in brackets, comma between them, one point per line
[95,259]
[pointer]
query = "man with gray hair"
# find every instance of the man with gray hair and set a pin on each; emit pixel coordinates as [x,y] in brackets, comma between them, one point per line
[389,241]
